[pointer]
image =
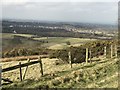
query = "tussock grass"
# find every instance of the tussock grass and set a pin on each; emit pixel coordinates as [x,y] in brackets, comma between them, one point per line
[94,75]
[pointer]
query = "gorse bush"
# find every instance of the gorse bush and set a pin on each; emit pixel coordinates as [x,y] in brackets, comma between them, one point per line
[78,54]
[25,52]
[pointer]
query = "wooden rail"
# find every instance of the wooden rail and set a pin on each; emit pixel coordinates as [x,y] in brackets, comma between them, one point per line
[18,66]
[38,60]
[23,65]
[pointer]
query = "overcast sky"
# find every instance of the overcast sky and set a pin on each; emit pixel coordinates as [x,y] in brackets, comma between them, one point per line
[94,11]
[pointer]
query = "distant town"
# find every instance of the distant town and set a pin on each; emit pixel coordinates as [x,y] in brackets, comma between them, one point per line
[92,30]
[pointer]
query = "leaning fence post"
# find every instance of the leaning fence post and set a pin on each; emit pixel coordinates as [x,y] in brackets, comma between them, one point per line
[90,55]
[26,69]
[105,51]
[111,51]
[70,60]
[20,71]
[41,67]
[86,55]
[115,50]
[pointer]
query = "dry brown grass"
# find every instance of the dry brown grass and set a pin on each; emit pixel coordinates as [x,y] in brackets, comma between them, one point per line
[57,75]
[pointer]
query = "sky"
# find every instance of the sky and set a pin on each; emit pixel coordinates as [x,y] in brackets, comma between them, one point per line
[91,11]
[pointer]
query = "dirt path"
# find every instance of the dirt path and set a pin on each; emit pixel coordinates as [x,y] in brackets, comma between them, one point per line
[20,58]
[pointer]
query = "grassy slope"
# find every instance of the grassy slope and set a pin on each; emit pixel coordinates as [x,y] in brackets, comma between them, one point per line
[100,74]
[105,71]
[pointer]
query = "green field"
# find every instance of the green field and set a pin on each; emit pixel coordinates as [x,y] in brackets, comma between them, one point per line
[53,42]
[10,35]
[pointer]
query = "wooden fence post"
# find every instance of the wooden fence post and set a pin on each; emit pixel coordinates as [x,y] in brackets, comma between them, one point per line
[90,55]
[20,71]
[111,51]
[70,60]
[26,69]
[105,51]
[41,67]
[115,50]
[0,75]
[86,55]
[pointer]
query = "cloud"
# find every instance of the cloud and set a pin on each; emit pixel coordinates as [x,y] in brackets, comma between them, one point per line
[94,0]
[103,12]
[14,2]
[19,2]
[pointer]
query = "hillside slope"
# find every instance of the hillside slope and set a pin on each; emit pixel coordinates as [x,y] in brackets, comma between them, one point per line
[101,73]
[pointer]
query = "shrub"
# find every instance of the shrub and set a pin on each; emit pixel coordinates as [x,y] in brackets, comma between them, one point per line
[78,54]
[22,51]
[68,43]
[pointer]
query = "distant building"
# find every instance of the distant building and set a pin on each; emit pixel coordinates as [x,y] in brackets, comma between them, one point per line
[11,26]
[14,32]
